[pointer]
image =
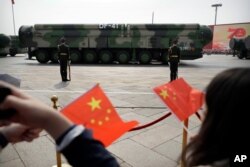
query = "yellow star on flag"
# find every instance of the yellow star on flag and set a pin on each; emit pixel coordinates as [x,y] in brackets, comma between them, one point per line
[95,104]
[164,94]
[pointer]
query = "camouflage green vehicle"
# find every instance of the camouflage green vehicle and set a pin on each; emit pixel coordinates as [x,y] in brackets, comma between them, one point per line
[10,45]
[4,43]
[122,43]
[241,47]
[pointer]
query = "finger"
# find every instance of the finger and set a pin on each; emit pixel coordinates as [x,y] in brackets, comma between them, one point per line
[15,103]
[14,91]
[12,102]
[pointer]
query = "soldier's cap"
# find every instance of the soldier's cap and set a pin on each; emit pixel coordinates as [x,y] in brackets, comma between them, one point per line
[62,40]
[175,41]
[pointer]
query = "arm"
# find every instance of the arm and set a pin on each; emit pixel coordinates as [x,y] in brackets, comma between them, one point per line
[80,148]
[33,113]
[83,150]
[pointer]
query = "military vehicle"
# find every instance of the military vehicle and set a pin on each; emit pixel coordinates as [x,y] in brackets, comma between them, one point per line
[241,47]
[107,43]
[10,45]
[4,43]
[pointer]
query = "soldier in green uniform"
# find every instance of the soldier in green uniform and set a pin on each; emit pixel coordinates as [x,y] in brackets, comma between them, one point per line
[63,57]
[174,59]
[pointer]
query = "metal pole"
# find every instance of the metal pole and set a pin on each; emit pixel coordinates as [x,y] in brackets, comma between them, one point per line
[153,18]
[215,15]
[13,19]
[216,6]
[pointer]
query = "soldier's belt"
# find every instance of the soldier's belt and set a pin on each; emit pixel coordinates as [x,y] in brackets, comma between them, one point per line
[174,56]
[63,54]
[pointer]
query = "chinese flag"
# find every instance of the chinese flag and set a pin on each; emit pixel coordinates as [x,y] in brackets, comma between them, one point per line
[94,110]
[13,2]
[180,97]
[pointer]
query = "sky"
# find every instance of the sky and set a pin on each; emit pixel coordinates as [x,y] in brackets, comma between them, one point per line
[30,12]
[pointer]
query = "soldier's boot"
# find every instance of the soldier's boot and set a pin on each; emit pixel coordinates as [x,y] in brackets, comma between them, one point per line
[171,77]
[175,76]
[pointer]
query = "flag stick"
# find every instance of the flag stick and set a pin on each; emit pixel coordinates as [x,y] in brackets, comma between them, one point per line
[184,138]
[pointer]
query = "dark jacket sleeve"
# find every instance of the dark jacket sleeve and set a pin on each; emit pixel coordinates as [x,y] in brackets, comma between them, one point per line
[84,151]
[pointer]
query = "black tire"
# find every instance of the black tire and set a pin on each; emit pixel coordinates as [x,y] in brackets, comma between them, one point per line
[242,54]
[13,51]
[90,56]
[123,57]
[145,57]
[54,56]
[106,57]
[164,57]
[75,56]
[42,56]
[3,55]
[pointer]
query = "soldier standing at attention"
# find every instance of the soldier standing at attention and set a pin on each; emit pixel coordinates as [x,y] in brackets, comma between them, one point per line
[63,57]
[174,59]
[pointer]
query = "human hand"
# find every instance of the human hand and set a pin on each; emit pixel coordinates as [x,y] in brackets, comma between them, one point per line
[16,133]
[29,111]
[33,113]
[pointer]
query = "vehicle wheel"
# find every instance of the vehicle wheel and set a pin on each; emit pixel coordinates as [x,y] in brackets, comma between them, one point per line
[13,51]
[123,57]
[106,56]
[242,54]
[145,57]
[164,57]
[42,56]
[3,55]
[54,56]
[90,56]
[75,56]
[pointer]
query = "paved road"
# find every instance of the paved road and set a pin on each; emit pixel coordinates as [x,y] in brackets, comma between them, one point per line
[130,90]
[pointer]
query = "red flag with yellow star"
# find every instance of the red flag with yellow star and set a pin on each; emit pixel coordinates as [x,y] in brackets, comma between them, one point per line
[94,110]
[180,97]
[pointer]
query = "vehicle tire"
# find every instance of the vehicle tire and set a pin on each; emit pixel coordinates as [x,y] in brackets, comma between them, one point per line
[123,57]
[54,56]
[89,56]
[13,51]
[145,57]
[75,56]
[3,55]
[42,56]
[106,57]
[164,57]
[242,54]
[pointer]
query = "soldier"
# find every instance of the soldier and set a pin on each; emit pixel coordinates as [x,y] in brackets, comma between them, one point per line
[63,57]
[174,59]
